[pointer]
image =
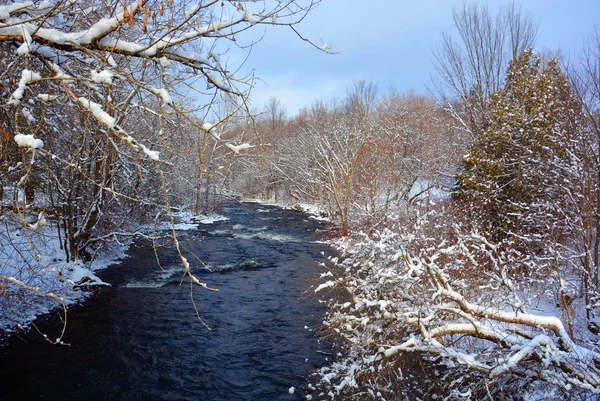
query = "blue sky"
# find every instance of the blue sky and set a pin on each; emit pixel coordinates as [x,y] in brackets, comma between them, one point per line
[389,42]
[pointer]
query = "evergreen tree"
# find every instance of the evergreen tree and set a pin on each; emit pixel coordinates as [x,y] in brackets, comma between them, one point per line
[517,173]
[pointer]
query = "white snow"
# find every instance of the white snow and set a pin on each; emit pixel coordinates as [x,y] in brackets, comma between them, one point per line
[27,113]
[192,10]
[23,50]
[328,284]
[5,11]
[163,94]
[97,111]
[152,154]
[102,77]
[45,97]
[189,221]
[27,76]
[208,127]
[34,259]
[237,149]
[210,219]
[165,62]
[111,61]
[28,141]
[251,18]
[291,390]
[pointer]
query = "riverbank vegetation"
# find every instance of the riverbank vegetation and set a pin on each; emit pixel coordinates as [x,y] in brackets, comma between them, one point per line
[113,115]
[468,220]
[468,225]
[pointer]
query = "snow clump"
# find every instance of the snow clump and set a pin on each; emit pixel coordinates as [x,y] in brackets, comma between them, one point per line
[28,141]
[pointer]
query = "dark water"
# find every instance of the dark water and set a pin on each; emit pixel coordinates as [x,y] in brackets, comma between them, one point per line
[141,339]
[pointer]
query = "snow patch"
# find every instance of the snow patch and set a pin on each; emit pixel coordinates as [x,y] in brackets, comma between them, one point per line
[28,141]
[102,77]
[27,76]
[97,112]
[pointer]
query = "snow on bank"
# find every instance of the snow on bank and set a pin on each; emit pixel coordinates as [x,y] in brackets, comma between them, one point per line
[34,274]
[313,211]
[36,278]
[188,221]
[407,293]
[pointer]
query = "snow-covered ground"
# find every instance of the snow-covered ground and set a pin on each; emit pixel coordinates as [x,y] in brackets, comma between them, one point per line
[402,295]
[314,212]
[35,275]
[36,278]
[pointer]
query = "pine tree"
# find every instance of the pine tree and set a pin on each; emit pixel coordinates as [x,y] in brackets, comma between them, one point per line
[517,172]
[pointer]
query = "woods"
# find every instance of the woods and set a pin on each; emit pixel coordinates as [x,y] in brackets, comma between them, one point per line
[112,114]
[467,220]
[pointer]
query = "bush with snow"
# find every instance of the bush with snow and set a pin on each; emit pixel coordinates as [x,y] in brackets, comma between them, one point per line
[444,292]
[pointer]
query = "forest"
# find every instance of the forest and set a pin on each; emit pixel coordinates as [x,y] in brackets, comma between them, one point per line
[466,220]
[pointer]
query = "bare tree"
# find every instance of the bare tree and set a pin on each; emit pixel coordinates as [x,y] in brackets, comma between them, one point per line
[585,78]
[471,67]
[100,100]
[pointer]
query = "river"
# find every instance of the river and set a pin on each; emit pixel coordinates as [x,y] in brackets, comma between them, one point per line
[141,340]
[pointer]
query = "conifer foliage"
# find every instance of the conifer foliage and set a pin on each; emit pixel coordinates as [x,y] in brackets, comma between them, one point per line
[517,173]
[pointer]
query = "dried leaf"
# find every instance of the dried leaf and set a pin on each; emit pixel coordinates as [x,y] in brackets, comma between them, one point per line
[162,8]
[145,24]
[5,134]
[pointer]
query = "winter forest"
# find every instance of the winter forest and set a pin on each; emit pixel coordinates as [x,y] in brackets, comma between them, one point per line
[465,222]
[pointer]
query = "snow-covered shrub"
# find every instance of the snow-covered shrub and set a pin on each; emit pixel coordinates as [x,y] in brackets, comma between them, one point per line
[439,289]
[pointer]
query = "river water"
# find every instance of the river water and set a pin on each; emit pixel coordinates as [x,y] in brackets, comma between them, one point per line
[141,340]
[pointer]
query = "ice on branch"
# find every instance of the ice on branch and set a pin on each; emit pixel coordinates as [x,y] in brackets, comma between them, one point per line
[28,141]
[27,76]
[97,111]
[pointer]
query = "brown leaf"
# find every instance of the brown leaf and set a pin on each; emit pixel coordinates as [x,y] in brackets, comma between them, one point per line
[145,24]
[5,134]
